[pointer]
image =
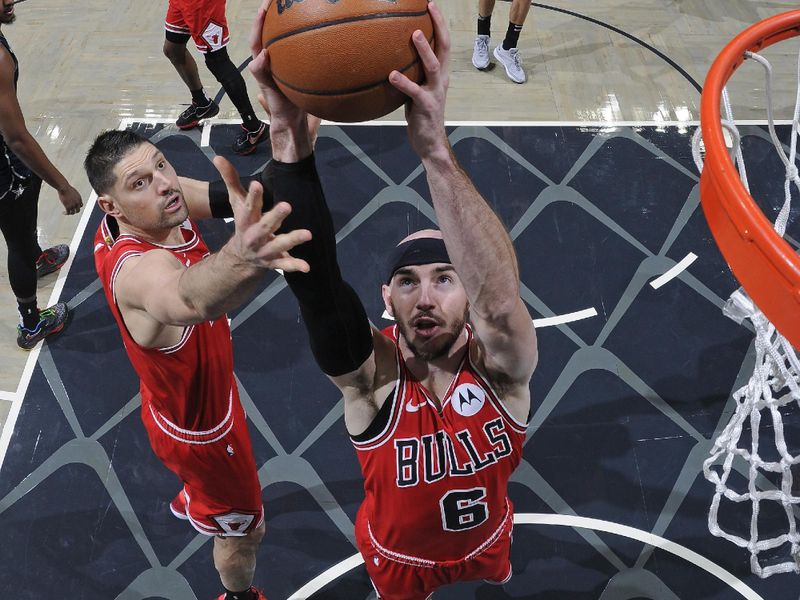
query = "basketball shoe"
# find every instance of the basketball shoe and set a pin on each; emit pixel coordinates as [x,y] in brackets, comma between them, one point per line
[51,320]
[510,59]
[259,595]
[191,117]
[480,54]
[51,260]
[246,141]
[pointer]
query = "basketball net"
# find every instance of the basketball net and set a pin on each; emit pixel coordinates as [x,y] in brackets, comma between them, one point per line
[772,387]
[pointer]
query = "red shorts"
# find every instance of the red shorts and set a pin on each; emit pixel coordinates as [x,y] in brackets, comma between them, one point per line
[204,20]
[221,492]
[400,581]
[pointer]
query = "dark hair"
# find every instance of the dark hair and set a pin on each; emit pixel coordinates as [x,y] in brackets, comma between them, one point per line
[107,150]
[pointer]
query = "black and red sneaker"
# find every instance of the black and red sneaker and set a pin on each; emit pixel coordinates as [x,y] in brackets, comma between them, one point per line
[247,141]
[191,117]
[51,260]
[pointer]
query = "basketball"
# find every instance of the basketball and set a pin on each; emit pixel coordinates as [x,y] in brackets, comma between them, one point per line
[332,58]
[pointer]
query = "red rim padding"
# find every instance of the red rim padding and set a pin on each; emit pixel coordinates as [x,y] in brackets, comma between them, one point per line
[765,265]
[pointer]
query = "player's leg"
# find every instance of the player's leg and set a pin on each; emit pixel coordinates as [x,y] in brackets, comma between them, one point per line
[18,217]
[231,80]
[235,560]
[480,53]
[175,49]
[507,53]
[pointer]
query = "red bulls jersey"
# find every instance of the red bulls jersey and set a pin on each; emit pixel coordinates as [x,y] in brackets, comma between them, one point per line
[189,387]
[436,482]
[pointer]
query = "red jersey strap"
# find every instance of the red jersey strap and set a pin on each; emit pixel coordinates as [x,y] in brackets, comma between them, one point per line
[396,400]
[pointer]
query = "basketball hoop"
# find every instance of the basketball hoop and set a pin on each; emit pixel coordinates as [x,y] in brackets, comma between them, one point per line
[762,261]
[769,272]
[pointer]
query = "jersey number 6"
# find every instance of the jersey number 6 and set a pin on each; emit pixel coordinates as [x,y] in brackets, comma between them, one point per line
[463,509]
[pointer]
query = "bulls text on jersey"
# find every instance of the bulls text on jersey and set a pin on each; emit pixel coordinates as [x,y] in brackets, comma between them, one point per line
[435,454]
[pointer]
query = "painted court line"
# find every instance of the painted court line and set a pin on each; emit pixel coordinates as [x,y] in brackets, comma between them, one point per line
[545,321]
[336,571]
[33,357]
[567,318]
[10,396]
[674,271]
[205,137]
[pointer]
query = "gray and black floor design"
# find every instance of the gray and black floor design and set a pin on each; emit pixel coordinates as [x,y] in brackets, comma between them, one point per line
[626,402]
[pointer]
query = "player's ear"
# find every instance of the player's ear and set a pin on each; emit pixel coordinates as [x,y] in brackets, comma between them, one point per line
[387,300]
[108,205]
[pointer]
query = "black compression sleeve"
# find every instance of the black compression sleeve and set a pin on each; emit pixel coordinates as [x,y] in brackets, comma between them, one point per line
[220,204]
[337,324]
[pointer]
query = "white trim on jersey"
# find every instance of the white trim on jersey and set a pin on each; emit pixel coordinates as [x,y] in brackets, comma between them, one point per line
[120,260]
[416,561]
[159,419]
[394,419]
[187,333]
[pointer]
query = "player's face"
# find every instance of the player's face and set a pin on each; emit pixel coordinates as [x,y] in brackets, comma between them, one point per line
[430,307]
[147,192]
[7,15]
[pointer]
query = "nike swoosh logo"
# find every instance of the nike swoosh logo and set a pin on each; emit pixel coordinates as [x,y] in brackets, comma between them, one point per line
[411,407]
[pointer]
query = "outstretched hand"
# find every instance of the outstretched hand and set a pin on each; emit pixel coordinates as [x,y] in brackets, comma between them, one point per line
[425,110]
[255,241]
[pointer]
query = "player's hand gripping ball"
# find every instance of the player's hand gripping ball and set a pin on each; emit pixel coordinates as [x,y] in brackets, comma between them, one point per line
[332,58]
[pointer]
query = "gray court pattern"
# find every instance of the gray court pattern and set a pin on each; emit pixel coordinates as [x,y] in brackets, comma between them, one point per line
[549,194]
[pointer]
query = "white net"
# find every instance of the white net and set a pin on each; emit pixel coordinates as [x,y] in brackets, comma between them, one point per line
[771,393]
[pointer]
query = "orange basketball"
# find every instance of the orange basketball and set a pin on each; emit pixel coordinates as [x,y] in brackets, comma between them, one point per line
[333,57]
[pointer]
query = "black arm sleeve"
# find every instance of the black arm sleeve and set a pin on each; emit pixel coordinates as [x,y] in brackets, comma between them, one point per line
[220,203]
[337,324]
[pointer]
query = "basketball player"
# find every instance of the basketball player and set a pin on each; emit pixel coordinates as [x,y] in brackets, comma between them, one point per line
[506,53]
[169,297]
[437,405]
[204,21]
[23,166]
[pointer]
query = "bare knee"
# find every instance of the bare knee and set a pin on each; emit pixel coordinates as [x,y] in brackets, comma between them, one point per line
[176,53]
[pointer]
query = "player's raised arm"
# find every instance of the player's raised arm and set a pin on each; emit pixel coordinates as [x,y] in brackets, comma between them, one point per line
[341,337]
[477,242]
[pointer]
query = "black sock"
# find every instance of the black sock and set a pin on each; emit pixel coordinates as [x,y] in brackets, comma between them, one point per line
[512,36]
[484,25]
[248,594]
[251,122]
[199,97]
[30,314]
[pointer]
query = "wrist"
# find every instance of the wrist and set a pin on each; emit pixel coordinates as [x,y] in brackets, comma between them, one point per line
[440,158]
[290,139]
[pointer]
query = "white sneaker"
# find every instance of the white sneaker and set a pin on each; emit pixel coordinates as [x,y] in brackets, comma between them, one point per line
[510,59]
[480,54]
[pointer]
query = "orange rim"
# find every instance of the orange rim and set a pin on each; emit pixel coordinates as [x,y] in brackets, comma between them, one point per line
[763,262]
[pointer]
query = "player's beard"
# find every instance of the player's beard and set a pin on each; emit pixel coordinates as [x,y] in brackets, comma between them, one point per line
[435,348]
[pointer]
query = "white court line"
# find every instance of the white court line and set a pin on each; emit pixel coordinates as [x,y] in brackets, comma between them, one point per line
[10,396]
[326,577]
[567,318]
[592,124]
[674,271]
[30,364]
[545,321]
[205,137]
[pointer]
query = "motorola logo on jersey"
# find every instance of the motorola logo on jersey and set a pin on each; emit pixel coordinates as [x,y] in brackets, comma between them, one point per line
[468,399]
